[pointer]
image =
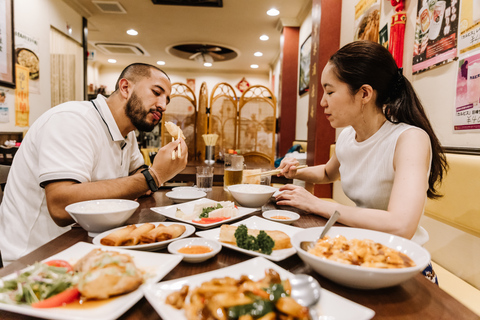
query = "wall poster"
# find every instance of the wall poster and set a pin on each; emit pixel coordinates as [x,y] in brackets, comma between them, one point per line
[467,102]
[22,104]
[469,37]
[7,64]
[304,73]
[435,34]
[26,54]
[367,20]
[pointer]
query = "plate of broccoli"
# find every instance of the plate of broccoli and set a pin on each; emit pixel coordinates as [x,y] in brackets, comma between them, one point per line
[260,244]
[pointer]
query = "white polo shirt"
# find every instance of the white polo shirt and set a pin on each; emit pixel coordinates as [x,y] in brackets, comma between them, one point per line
[73,141]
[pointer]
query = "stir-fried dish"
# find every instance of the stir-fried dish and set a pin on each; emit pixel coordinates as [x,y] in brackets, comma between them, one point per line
[365,253]
[244,299]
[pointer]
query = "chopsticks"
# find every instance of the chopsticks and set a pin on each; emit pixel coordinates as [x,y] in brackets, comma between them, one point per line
[271,172]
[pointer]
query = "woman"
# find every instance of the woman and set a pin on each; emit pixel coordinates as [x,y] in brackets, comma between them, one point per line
[387,157]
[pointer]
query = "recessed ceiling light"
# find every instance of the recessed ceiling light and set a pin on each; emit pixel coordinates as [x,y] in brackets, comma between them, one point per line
[132,32]
[112,60]
[273,12]
[264,37]
[258,54]
[161,63]
[207,64]
[254,66]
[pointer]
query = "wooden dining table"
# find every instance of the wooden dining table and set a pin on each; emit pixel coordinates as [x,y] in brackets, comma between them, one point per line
[416,298]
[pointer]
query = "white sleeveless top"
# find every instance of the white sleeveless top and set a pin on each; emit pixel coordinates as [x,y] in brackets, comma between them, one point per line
[366,168]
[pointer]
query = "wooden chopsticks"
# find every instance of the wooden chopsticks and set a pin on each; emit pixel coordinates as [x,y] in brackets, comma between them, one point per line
[271,172]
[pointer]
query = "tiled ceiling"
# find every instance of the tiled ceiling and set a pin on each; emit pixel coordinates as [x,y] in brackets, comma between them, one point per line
[237,26]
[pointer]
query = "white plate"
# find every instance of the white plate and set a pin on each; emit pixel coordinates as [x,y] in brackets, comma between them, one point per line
[187,208]
[331,305]
[260,224]
[155,264]
[181,196]
[150,246]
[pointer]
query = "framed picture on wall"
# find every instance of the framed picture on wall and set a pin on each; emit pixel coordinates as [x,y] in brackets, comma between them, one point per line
[304,74]
[7,59]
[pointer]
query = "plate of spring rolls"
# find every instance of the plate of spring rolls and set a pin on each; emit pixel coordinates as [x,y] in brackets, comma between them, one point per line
[149,236]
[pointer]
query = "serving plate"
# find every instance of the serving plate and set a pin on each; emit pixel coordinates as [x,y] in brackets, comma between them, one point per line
[146,247]
[187,208]
[181,196]
[330,306]
[260,224]
[156,265]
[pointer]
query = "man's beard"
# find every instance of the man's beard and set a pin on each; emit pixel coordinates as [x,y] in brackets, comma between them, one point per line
[138,115]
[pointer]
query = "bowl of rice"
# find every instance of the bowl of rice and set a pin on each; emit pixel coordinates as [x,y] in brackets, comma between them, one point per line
[251,195]
[96,216]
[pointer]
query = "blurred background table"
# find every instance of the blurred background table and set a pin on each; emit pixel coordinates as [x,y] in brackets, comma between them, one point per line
[416,298]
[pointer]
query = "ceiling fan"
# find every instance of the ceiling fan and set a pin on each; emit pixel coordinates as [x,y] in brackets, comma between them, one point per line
[207,54]
[202,52]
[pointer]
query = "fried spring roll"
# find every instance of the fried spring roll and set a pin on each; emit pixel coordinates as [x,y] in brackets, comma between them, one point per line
[134,236]
[149,237]
[162,233]
[117,237]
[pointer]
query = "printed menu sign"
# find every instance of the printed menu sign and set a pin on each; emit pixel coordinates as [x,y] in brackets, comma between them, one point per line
[22,105]
[469,37]
[467,103]
[435,34]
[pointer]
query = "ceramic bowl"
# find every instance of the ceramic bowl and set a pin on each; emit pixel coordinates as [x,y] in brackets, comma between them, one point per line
[251,195]
[282,216]
[355,276]
[215,247]
[97,216]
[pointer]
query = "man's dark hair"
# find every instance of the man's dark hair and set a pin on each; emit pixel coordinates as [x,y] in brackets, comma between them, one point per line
[137,70]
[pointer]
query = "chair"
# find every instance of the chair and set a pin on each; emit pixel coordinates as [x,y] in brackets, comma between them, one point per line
[202,120]
[7,154]
[257,158]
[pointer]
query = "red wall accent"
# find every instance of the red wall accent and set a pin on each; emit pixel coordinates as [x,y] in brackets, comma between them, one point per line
[288,90]
[326,22]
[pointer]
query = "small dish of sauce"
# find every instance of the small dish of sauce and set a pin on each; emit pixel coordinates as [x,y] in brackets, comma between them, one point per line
[280,218]
[195,249]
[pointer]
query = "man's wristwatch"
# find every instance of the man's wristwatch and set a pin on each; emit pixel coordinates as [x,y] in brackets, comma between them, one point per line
[150,181]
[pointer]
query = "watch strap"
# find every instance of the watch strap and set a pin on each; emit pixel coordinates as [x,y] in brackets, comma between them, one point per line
[150,181]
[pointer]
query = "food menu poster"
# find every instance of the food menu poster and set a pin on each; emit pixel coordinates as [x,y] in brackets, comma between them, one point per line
[367,20]
[4,115]
[469,37]
[26,54]
[467,101]
[22,105]
[435,34]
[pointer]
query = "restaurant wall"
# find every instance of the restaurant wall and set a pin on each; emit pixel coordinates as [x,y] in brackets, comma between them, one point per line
[435,88]
[108,75]
[35,18]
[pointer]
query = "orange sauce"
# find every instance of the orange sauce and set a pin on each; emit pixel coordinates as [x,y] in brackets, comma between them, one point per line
[195,249]
[88,304]
[280,218]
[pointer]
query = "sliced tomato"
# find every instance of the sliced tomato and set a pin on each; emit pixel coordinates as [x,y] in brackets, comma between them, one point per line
[60,264]
[60,299]
[211,220]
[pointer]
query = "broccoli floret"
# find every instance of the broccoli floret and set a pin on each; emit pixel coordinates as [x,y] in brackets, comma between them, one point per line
[241,235]
[265,242]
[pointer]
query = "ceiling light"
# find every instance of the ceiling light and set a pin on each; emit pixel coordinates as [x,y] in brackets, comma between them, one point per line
[258,54]
[161,63]
[254,66]
[132,32]
[112,60]
[273,12]
[207,64]
[264,37]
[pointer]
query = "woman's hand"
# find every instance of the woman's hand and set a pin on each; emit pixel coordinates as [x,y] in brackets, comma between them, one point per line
[297,197]
[288,167]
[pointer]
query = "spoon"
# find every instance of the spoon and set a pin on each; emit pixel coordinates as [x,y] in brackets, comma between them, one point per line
[306,291]
[305,245]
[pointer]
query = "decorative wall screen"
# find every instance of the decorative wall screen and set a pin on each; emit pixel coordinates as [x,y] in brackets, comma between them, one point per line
[256,123]
[182,110]
[223,117]
[202,120]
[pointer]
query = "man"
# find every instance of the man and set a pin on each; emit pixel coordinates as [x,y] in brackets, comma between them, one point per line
[86,150]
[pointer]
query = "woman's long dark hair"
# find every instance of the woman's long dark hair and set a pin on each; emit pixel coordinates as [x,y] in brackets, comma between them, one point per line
[367,62]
